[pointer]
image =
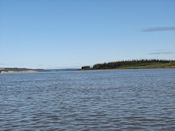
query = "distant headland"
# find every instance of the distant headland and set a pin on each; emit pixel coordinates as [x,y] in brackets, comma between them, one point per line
[27,70]
[133,64]
[18,70]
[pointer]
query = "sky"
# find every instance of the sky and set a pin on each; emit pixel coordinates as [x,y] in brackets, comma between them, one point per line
[73,33]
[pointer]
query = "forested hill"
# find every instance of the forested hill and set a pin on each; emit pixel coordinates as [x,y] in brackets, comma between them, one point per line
[133,64]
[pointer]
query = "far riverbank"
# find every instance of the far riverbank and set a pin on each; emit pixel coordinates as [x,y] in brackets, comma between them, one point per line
[133,64]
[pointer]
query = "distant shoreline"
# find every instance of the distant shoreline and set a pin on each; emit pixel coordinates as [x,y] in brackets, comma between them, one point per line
[118,65]
[18,70]
[133,64]
[11,72]
[128,68]
[26,70]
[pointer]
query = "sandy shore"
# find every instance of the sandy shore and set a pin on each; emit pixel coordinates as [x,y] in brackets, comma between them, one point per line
[7,72]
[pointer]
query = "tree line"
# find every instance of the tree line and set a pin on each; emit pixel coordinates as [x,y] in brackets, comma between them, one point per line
[118,64]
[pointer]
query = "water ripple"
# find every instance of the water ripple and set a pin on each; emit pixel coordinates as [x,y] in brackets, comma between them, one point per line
[128,100]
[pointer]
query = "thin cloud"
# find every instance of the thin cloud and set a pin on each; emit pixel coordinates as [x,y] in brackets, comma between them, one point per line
[159,29]
[161,53]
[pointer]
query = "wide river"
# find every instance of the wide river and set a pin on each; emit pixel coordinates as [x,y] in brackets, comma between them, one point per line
[105,100]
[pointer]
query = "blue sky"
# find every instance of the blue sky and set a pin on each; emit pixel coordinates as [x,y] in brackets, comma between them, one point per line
[72,33]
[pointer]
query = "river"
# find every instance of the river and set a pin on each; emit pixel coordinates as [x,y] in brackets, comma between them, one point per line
[109,100]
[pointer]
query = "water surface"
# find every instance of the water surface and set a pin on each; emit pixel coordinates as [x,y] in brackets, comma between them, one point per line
[142,99]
